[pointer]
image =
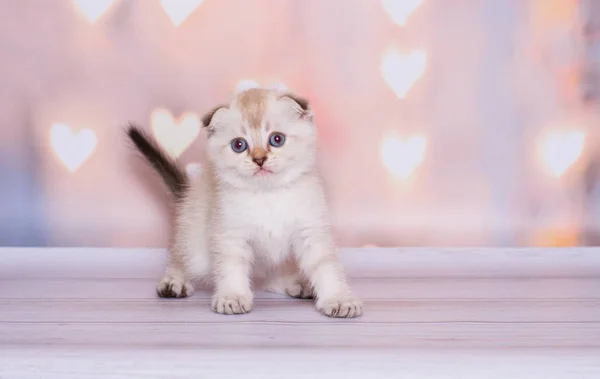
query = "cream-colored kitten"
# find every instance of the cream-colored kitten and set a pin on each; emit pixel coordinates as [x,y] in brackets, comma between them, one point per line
[257,211]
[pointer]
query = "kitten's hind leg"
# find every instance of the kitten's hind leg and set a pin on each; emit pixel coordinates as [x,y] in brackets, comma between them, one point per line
[188,259]
[174,284]
[287,279]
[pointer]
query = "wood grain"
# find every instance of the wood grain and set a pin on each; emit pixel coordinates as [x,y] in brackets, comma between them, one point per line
[455,314]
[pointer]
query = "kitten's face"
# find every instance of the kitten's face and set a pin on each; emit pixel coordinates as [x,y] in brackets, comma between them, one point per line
[262,139]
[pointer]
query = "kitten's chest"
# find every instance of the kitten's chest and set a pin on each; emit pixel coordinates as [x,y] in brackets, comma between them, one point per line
[270,220]
[272,217]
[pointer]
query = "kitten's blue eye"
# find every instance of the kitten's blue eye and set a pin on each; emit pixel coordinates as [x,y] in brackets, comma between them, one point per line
[276,139]
[239,145]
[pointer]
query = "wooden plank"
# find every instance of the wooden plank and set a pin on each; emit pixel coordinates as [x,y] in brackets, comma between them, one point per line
[325,334]
[420,288]
[273,311]
[109,362]
[373,262]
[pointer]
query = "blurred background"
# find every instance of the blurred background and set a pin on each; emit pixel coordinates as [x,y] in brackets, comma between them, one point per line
[442,123]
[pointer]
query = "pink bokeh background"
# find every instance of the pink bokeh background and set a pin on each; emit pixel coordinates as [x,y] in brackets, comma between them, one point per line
[498,75]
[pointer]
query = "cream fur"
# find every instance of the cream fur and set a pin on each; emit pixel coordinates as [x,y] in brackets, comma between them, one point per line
[237,229]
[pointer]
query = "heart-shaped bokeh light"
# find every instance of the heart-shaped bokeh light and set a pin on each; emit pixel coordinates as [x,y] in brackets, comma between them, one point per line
[559,150]
[402,155]
[401,71]
[72,149]
[92,9]
[174,135]
[179,10]
[400,10]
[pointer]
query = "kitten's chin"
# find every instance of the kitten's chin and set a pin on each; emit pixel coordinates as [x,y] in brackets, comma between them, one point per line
[262,172]
[262,179]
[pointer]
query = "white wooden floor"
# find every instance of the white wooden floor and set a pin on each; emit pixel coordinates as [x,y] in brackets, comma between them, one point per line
[429,313]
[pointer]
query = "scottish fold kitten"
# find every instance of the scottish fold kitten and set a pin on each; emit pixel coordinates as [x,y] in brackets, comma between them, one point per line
[256,212]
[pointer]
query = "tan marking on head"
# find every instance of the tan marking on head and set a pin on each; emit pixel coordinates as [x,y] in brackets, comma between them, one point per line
[253,105]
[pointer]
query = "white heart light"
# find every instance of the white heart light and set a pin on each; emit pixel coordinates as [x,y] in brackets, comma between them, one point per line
[174,135]
[401,156]
[179,10]
[559,150]
[401,71]
[93,9]
[400,10]
[72,149]
[245,84]
[278,87]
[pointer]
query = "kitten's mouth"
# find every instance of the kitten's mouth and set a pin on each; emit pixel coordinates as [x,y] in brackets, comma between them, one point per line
[262,171]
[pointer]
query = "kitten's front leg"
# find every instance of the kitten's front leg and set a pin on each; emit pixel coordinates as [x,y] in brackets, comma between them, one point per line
[317,257]
[232,262]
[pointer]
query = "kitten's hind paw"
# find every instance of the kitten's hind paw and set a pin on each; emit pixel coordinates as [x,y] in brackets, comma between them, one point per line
[170,287]
[300,290]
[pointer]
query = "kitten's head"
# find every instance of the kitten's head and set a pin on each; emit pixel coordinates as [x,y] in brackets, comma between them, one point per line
[263,138]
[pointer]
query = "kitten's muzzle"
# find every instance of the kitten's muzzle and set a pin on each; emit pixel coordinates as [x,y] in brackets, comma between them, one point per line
[259,160]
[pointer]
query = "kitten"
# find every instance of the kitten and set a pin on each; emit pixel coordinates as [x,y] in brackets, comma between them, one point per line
[256,209]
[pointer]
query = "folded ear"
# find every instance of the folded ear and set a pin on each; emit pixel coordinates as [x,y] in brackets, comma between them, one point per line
[208,117]
[302,106]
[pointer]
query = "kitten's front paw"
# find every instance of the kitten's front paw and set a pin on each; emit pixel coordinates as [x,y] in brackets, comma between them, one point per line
[345,306]
[232,304]
[170,287]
